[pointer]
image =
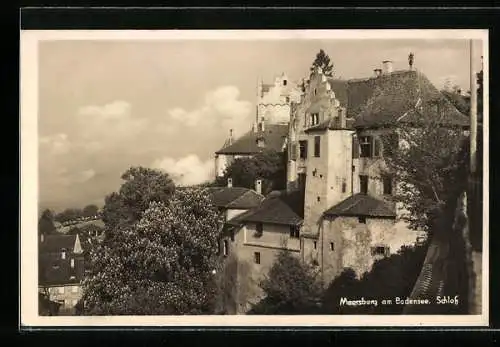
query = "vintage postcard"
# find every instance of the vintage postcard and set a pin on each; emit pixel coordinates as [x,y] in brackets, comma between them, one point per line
[319,178]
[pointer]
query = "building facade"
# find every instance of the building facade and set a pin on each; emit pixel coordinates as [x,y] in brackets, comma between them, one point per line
[345,216]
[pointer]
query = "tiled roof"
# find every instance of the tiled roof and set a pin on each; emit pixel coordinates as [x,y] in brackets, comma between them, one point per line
[235,197]
[55,243]
[52,270]
[393,98]
[339,87]
[362,205]
[274,138]
[331,123]
[275,209]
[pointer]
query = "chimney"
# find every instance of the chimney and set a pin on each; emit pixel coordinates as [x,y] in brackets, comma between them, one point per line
[229,182]
[258,186]
[387,66]
[377,72]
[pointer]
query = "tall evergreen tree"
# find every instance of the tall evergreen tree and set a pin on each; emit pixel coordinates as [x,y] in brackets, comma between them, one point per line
[322,60]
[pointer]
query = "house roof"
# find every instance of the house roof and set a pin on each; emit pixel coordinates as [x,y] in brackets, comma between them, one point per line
[399,97]
[331,124]
[281,208]
[274,138]
[52,270]
[362,205]
[56,243]
[339,87]
[235,197]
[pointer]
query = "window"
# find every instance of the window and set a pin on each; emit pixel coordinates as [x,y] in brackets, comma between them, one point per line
[72,263]
[314,118]
[259,229]
[344,186]
[303,149]
[284,82]
[362,220]
[332,246]
[256,256]
[377,148]
[315,244]
[387,184]
[60,290]
[365,145]
[63,254]
[287,99]
[380,251]
[294,232]
[317,143]
[363,184]
[318,198]
[74,289]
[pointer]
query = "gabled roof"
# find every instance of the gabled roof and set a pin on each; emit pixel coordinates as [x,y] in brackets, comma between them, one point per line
[362,205]
[399,97]
[56,243]
[235,197]
[274,138]
[275,209]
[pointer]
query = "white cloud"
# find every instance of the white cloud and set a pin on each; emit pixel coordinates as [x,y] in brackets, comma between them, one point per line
[108,125]
[221,108]
[188,170]
[56,144]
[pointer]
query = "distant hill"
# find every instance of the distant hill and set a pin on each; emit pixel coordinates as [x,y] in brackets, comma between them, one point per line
[78,224]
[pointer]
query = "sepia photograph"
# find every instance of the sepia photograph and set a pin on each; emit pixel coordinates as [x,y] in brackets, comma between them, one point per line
[259,177]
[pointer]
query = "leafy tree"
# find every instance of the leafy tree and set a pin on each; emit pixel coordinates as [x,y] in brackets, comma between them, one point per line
[322,60]
[291,287]
[46,223]
[68,215]
[141,187]
[161,264]
[426,160]
[90,210]
[267,165]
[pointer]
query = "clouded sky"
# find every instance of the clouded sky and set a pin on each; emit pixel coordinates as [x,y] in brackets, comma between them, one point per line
[107,105]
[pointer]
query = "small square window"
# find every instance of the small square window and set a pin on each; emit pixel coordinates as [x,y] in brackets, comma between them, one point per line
[332,246]
[287,99]
[284,82]
[257,257]
[294,232]
[380,251]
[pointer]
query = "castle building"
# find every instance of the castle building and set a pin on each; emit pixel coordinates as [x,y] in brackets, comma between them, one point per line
[337,211]
[270,127]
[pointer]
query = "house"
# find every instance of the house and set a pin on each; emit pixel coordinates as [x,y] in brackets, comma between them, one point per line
[342,214]
[254,239]
[336,157]
[270,128]
[61,270]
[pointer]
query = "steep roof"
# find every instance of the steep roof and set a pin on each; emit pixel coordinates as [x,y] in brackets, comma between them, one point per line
[362,205]
[274,138]
[56,243]
[282,208]
[399,97]
[235,197]
[339,87]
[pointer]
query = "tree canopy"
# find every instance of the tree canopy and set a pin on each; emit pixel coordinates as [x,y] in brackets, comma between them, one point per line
[268,165]
[160,260]
[291,287]
[46,223]
[322,60]
[90,210]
